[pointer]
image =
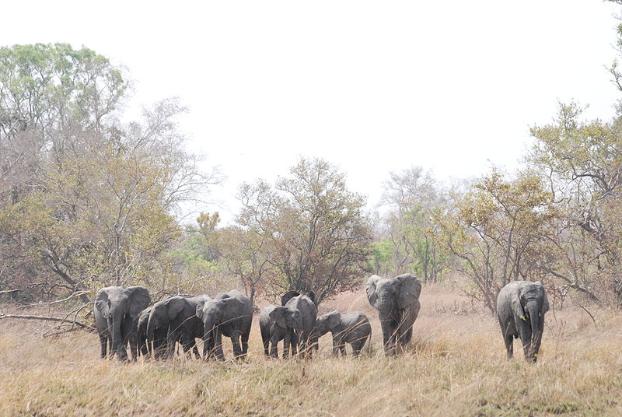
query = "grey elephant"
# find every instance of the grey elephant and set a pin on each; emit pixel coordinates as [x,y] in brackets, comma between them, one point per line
[521,306]
[116,311]
[272,333]
[159,339]
[177,316]
[353,328]
[229,314]
[397,302]
[294,323]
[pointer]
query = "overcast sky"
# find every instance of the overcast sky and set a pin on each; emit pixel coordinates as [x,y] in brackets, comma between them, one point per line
[372,86]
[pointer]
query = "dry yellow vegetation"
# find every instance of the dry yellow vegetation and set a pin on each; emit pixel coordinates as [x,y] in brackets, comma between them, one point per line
[457,367]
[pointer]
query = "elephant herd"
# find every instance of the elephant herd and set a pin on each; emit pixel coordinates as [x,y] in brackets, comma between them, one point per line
[125,316]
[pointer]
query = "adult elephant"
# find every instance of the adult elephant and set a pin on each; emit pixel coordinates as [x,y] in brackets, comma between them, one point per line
[229,314]
[296,321]
[397,302]
[521,306]
[116,311]
[159,338]
[177,316]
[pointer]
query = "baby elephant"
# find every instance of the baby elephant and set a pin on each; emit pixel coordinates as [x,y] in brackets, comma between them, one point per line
[352,328]
[271,333]
[521,306]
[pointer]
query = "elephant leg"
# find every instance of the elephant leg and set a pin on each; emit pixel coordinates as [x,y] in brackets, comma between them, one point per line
[266,346]
[524,330]
[171,340]
[286,343]
[218,346]
[508,339]
[294,343]
[245,336]
[274,341]
[103,344]
[195,350]
[133,340]
[357,347]
[235,341]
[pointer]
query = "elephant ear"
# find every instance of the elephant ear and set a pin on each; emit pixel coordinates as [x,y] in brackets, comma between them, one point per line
[545,301]
[288,296]
[334,319]
[279,316]
[408,291]
[101,303]
[199,309]
[139,299]
[174,305]
[372,295]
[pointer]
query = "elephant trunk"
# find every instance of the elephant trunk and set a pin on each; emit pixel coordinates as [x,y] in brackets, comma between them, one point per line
[117,337]
[209,337]
[536,330]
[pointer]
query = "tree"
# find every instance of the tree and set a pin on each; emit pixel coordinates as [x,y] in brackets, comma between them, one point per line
[315,226]
[498,230]
[413,197]
[247,255]
[582,164]
[84,200]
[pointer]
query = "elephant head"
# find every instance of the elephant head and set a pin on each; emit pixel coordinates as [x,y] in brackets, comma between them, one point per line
[329,322]
[211,314]
[391,296]
[163,312]
[530,304]
[291,294]
[287,318]
[121,308]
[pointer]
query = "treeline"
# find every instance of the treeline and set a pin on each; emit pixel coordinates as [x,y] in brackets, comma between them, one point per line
[88,199]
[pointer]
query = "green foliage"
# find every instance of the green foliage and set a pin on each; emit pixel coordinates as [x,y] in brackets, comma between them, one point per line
[84,202]
[318,236]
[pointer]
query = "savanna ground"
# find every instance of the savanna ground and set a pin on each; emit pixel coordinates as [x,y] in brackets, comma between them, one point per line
[457,367]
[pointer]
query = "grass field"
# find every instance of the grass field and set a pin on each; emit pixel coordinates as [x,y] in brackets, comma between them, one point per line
[456,367]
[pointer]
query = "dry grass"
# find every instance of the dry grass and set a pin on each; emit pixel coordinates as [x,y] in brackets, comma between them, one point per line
[457,368]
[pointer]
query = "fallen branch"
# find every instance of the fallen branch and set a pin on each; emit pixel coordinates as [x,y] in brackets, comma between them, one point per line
[75,294]
[83,326]
[8,291]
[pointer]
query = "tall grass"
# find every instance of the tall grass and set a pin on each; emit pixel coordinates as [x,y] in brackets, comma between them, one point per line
[456,367]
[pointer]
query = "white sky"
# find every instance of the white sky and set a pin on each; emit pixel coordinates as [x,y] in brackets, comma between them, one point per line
[372,86]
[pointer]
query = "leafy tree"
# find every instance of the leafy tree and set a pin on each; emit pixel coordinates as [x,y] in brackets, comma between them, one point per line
[582,163]
[413,197]
[84,200]
[315,227]
[498,230]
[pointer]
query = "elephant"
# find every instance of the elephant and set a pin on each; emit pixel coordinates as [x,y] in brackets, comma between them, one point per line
[229,314]
[159,341]
[397,302]
[177,316]
[521,306]
[353,328]
[274,334]
[293,293]
[294,321]
[119,308]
